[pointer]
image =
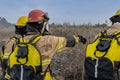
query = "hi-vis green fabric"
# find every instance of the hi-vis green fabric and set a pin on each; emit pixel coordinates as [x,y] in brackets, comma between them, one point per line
[103,56]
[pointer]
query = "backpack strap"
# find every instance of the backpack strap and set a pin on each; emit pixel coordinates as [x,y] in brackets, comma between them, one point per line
[104,43]
[102,33]
[35,38]
[32,41]
[14,38]
[16,42]
[116,34]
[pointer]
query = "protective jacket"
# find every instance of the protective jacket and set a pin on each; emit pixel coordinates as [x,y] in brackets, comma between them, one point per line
[48,45]
[115,27]
[5,52]
[102,56]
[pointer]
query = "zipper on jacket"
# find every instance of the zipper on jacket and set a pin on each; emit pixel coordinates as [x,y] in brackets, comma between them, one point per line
[21,73]
[96,68]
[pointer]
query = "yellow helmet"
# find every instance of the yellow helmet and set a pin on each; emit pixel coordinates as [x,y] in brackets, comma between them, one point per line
[118,12]
[22,21]
[116,17]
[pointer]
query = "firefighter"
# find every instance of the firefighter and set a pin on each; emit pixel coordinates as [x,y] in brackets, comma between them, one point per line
[48,45]
[20,30]
[105,45]
[115,22]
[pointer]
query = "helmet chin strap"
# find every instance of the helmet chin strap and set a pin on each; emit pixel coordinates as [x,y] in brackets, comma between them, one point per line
[44,25]
[47,27]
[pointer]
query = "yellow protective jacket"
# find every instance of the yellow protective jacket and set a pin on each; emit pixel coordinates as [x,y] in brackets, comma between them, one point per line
[48,45]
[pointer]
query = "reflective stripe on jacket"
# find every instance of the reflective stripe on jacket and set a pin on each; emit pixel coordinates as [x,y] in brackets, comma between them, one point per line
[47,46]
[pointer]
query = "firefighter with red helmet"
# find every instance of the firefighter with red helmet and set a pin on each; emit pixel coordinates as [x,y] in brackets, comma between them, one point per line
[48,45]
[38,21]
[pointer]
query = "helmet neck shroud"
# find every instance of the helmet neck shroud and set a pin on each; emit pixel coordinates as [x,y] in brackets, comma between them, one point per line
[20,30]
[37,27]
[115,19]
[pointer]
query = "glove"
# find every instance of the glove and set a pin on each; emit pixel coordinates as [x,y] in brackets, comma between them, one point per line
[82,39]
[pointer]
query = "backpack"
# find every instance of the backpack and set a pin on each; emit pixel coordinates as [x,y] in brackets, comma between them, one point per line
[102,60]
[25,60]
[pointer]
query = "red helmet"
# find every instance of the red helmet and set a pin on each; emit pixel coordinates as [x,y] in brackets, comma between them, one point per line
[36,16]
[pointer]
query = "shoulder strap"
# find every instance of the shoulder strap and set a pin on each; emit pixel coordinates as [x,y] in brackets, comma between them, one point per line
[16,42]
[35,38]
[102,33]
[116,34]
[32,41]
[14,38]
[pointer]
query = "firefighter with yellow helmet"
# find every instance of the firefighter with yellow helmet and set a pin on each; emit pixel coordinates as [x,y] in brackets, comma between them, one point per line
[115,22]
[20,30]
[20,27]
[102,60]
[47,45]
